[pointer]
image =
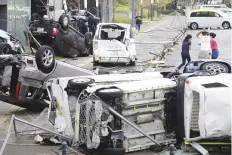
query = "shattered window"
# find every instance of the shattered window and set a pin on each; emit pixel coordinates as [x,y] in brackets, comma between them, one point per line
[109,32]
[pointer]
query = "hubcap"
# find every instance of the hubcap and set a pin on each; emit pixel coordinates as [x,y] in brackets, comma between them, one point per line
[215,68]
[47,57]
[194,26]
[226,25]
[80,80]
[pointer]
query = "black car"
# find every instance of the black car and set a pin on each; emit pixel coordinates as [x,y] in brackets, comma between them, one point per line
[61,36]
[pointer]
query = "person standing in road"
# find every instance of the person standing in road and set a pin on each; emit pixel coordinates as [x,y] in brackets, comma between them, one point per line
[138,21]
[214,46]
[185,51]
[205,51]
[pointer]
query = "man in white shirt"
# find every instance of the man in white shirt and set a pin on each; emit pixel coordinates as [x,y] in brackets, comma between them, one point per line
[205,52]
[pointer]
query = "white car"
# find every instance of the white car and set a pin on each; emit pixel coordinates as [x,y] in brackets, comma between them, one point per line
[208,18]
[8,43]
[114,43]
[222,8]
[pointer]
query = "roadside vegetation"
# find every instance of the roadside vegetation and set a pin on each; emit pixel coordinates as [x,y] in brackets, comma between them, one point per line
[122,9]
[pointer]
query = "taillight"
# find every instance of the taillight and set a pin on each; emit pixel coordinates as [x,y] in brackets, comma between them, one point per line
[54,31]
[17,89]
[95,44]
[187,81]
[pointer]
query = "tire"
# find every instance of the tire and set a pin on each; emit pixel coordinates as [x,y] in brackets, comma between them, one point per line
[215,67]
[34,16]
[173,75]
[194,26]
[109,93]
[133,63]
[80,83]
[226,25]
[5,48]
[45,59]
[64,22]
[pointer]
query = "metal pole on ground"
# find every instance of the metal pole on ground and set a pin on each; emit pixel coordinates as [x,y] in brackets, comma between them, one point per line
[133,13]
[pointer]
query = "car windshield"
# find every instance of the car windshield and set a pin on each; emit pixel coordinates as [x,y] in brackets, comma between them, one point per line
[109,32]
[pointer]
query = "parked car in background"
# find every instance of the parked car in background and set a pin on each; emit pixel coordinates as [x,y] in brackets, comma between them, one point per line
[221,7]
[208,18]
[114,43]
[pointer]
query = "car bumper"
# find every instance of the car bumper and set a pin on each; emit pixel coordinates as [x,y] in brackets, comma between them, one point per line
[113,60]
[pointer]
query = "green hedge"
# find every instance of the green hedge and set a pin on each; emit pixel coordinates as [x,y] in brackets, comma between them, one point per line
[166,12]
[121,19]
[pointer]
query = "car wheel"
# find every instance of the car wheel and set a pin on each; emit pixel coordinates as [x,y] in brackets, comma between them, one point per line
[34,16]
[80,83]
[5,48]
[215,67]
[194,26]
[95,63]
[226,25]
[173,75]
[64,22]
[132,63]
[45,59]
[109,93]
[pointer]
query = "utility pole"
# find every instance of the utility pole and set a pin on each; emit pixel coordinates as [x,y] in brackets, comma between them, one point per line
[141,10]
[133,13]
[97,7]
[152,10]
[85,4]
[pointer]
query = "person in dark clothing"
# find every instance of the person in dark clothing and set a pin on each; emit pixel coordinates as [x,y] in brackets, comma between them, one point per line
[185,51]
[138,21]
[82,26]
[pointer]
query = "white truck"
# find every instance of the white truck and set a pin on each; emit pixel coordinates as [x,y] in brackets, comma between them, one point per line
[120,117]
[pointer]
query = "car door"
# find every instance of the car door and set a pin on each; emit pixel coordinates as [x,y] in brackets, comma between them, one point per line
[218,20]
[200,19]
[212,20]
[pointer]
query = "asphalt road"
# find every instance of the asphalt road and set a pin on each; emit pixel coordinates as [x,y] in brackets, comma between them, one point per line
[163,30]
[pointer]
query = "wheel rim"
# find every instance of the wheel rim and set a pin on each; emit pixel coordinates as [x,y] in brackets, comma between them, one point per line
[5,50]
[226,25]
[81,80]
[194,26]
[215,68]
[47,57]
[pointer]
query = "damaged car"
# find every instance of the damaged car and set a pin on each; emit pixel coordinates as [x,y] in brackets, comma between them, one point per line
[9,44]
[114,43]
[61,36]
[137,115]
[23,78]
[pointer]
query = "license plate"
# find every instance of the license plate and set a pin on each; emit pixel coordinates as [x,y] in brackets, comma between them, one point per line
[39,29]
[114,52]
